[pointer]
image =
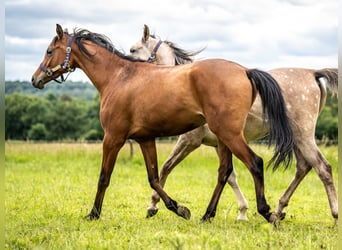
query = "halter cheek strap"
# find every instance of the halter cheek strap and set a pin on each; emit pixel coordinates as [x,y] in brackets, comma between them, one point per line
[65,65]
[153,55]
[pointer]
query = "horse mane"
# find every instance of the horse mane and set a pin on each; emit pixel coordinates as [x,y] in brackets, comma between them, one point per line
[182,56]
[101,40]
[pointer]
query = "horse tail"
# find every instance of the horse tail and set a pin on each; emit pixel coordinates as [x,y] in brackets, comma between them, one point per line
[326,77]
[274,109]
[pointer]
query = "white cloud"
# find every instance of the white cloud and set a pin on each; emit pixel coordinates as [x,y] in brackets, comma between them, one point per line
[258,33]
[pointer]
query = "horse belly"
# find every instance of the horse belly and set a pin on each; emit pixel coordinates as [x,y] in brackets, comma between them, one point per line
[157,125]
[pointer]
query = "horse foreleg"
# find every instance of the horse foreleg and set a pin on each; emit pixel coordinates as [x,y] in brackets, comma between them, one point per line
[110,151]
[243,204]
[148,149]
[224,171]
[186,143]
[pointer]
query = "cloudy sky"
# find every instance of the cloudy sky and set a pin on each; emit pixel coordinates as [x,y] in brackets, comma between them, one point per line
[261,34]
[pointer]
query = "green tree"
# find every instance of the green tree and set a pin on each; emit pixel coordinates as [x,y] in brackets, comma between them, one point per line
[38,132]
[67,119]
[15,108]
[327,124]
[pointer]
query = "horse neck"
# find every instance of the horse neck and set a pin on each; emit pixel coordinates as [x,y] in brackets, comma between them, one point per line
[165,55]
[97,67]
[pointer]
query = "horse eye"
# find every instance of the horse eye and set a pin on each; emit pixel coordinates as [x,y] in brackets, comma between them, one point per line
[49,52]
[132,50]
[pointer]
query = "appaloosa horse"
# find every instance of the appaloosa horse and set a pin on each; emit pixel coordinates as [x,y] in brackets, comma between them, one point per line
[305,94]
[169,101]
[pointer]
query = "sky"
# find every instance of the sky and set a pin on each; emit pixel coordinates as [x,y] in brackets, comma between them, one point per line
[262,34]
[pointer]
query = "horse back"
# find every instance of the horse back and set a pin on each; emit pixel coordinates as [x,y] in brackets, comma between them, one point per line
[300,89]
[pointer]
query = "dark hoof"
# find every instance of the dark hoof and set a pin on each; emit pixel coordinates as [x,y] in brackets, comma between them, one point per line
[184,212]
[205,218]
[282,215]
[151,212]
[92,216]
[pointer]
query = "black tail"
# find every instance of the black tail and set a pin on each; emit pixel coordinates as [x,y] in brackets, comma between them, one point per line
[274,108]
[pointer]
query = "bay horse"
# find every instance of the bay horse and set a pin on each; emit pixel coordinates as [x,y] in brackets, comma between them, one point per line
[304,91]
[143,101]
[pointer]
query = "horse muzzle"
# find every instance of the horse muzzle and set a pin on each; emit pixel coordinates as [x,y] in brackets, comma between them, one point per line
[37,83]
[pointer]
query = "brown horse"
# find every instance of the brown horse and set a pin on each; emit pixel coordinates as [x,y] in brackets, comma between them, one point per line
[305,94]
[142,101]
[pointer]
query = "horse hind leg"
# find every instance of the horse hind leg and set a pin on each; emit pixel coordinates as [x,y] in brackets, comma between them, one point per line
[255,165]
[307,157]
[225,170]
[186,143]
[243,204]
[302,169]
[323,169]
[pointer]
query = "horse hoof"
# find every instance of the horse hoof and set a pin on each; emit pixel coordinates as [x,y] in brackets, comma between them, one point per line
[243,214]
[275,218]
[242,218]
[91,217]
[184,212]
[282,215]
[206,218]
[151,211]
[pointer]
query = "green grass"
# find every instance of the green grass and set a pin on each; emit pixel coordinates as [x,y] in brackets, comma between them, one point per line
[50,188]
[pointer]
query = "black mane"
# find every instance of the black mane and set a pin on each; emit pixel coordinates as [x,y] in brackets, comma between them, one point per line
[182,56]
[103,41]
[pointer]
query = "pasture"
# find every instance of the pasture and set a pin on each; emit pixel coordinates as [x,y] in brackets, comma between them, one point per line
[50,187]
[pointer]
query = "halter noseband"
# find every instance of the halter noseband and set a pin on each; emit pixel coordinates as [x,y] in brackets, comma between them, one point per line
[64,65]
[153,55]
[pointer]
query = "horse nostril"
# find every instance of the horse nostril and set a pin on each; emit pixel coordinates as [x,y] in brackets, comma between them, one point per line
[32,79]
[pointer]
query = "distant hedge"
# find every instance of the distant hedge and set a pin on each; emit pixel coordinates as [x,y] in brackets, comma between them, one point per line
[70,111]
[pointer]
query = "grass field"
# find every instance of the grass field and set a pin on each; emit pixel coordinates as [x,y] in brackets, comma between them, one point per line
[50,188]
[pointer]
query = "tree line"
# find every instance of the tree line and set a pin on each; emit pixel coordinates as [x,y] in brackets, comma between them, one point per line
[71,112]
[67,111]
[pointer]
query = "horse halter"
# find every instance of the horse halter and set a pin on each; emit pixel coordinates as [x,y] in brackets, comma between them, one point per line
[65,65]
[153,55]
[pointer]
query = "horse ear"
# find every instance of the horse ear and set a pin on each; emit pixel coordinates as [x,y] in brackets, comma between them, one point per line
[146,34]
[59,31]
